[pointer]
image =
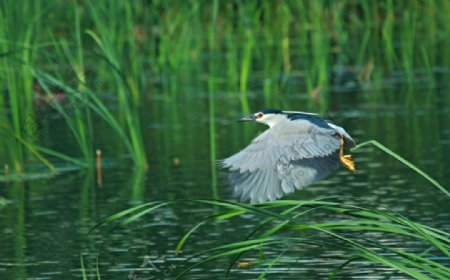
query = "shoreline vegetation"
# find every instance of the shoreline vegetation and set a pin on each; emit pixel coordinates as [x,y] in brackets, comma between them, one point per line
[74,56]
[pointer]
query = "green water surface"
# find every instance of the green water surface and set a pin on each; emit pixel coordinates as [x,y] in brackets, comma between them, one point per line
[192,69]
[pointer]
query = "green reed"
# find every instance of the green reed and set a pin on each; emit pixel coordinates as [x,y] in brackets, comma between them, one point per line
[18,52]
[346,229]
[212,101]
[122,62]
[139,50]
[78,118]
[80,89]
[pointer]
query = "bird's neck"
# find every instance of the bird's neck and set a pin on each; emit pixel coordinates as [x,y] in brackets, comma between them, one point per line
[273,121]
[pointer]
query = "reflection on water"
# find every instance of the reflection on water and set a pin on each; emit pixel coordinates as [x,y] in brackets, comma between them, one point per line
[45,221]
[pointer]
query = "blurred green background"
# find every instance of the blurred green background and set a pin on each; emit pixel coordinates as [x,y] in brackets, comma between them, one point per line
[156,86]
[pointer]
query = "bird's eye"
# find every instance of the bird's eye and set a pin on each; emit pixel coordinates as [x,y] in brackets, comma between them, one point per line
[259,115]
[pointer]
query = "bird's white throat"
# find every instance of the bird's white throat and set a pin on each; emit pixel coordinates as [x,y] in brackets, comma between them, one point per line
[272,119]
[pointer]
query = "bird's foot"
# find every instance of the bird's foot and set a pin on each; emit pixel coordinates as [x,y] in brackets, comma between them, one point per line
[347,162]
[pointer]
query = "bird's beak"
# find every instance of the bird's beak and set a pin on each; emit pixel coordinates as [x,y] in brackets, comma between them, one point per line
[250,118]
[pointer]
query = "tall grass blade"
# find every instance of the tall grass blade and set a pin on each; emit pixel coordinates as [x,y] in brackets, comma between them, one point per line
[404,161]
[83,269]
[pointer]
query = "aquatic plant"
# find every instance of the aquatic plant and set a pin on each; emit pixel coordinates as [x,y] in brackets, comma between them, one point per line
[15,48]
[140,50]
[354,229]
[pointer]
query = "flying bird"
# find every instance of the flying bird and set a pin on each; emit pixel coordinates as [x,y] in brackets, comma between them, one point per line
[297,150]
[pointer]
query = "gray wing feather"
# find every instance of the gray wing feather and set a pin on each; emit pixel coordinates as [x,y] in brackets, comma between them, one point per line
[282,159]
[295,140]
[267,186]
[263,185]
[307,171]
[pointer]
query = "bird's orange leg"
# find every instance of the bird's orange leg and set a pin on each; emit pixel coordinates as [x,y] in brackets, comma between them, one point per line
[346,160]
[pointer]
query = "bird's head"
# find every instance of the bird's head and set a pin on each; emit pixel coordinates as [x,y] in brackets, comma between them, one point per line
[268,117]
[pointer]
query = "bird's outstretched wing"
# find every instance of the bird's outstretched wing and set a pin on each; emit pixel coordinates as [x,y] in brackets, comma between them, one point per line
[284,158]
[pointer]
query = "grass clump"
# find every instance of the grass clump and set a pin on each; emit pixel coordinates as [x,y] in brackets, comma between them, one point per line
[137,50]
[361,231]
[288,223]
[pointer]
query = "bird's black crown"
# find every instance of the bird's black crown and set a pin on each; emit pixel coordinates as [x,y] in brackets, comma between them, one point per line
[271,111]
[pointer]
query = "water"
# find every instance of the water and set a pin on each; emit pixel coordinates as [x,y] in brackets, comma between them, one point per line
[386,68]
[45,221]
